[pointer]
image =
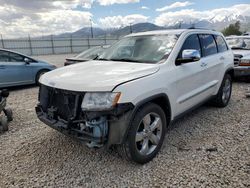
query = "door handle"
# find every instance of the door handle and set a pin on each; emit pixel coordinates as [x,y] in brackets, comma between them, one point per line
[203,64]
[2,67]
[222,58]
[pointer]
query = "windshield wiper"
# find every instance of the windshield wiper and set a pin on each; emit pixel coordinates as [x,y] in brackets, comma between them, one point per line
[102,59]
[126,60]
[239,48]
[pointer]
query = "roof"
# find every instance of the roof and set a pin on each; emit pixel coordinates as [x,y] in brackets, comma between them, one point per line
[172,32]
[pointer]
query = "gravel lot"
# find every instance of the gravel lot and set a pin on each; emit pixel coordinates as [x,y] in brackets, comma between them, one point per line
[209,147]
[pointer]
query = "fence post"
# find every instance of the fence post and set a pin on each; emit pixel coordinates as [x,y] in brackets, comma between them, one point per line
[71,44]
[88,43]
[2,40]
[105,39]
[31,50]
[52,45]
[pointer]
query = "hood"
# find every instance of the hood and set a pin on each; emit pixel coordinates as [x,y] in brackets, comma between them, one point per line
[96,75]
[242,52]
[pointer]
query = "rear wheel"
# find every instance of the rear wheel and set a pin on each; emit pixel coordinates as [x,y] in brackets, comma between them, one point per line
[146,134]
[39,74]
[223,96]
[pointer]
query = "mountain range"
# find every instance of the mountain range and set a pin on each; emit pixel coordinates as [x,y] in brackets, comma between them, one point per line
[217,23]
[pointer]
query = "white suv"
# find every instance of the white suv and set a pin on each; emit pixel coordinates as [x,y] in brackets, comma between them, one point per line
[130,95]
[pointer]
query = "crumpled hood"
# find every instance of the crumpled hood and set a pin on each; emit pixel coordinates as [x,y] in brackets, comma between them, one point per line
[96,75]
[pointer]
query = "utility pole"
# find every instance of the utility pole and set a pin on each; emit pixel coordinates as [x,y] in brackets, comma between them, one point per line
[91,28]
[2,41]
[180,24]
[30,45]
[130,27]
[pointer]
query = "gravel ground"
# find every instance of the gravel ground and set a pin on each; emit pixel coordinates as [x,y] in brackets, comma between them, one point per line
[209,147]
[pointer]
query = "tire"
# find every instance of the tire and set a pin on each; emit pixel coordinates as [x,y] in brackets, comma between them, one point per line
[4,124]
[8,112]
[39,74]
[145,139]
[223,96]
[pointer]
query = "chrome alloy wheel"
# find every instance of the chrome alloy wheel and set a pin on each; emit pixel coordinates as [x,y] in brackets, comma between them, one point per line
[149,133]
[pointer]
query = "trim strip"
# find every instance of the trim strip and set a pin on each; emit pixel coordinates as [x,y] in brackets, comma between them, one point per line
[198,93]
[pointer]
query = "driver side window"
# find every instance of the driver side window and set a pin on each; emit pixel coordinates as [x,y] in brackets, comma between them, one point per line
[192,42]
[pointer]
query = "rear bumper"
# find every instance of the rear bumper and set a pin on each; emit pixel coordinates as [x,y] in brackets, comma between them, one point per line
[240,71]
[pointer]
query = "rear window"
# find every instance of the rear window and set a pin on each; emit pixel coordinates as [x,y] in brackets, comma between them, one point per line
[208,45]
[221,44]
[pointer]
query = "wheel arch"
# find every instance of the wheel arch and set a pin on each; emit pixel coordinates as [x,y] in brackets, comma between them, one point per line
[160,99]
[230,71]
[39,71]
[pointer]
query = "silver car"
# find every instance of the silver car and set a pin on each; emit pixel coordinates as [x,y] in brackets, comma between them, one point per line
[18,69]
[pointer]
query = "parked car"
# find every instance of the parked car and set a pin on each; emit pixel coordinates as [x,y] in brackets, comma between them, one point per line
[18,69]
[86,55]
[128,98]
[241,49]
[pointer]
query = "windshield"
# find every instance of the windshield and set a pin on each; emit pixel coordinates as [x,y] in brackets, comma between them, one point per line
[91,53]
[142,49]
[239,43]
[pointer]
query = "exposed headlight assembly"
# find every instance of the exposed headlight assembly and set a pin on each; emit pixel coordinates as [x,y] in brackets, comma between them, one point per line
[100,101]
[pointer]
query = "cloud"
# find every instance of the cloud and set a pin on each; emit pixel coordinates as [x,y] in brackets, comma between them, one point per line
[145,8]
[191,15]
[120,21]
[15,24]
[175,5]
[111,2]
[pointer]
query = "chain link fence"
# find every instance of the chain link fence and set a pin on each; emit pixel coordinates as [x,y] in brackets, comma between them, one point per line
[52,45]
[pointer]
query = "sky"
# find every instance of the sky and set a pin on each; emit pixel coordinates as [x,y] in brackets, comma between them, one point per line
[18,18]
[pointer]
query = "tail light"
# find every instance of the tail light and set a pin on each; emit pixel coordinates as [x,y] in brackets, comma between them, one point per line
[244,62]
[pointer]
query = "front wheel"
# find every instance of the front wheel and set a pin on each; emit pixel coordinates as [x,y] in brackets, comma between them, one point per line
[39,74]
[223,96]
[146,134]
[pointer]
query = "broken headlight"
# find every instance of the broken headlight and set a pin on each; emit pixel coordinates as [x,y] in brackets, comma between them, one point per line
[99,101]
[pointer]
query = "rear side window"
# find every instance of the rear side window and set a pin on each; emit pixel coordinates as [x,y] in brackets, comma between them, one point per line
[208,45]
[221,44]
[191,43]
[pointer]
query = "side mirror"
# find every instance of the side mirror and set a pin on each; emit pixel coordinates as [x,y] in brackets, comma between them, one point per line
[189,56]
[27,60]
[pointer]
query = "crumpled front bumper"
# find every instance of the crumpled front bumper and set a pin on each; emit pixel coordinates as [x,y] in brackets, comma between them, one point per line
[118,124]
[65,128]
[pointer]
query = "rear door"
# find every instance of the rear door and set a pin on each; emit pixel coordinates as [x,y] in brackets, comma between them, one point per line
[13,69]
[212,63]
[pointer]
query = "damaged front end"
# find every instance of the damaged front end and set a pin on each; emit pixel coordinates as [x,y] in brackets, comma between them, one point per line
[61,110]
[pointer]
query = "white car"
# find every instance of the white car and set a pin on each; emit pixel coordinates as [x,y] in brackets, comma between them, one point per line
[241,49]
[130,95]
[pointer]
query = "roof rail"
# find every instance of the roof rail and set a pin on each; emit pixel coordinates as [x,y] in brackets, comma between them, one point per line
[201,28]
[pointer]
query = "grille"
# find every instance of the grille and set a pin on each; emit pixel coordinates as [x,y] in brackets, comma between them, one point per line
[64,103]
[237,58]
